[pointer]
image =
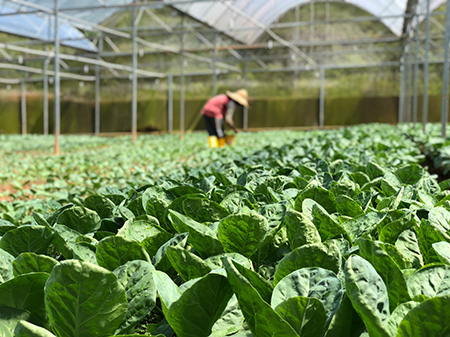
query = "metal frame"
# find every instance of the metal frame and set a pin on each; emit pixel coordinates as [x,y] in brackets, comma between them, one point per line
[228,55]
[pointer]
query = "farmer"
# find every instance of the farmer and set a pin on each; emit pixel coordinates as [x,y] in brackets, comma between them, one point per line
[219,108]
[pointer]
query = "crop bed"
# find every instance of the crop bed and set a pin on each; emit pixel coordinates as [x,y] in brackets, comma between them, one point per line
[333,233]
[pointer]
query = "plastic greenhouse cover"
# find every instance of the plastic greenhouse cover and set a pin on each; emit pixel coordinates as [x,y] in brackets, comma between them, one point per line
[221,16]
[41,26]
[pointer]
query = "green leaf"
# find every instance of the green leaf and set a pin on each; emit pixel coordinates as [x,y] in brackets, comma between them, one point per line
[235,202]
[328,228]
[321,196]
[139,230]
[152,243]
[155,201]
[202,209]
[9,318]
[231,320]
[427,235]
[137,279]
[200,306]
[319,283]
[368,294]
[440,218]
[216,262]
[398,314]
[84,300]
[305,315]
[67,242]
[261,285]
[346,321]
[300,230]
[27,238]
[408,245]
[32,263]
[102,205]
[260,317]
[201,237]
[168,291]
[430,281]
[409,174]
[114,251]
[242,233]
[429,318]
[443,251]
[387,269]
[347,206]
[189,266]
[363,224]
[390,232]
[27,329]
[80,219]
[160,260]
[324,255]
[25,292]
[6,270]
[6,226]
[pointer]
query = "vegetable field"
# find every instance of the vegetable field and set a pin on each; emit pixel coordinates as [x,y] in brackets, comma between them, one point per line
[340,233]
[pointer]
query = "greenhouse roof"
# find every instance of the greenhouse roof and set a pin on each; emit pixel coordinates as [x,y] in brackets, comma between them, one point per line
[34,19]
[244,20]
[258,14]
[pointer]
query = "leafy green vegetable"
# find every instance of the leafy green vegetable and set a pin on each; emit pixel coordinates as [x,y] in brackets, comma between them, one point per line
[82,299]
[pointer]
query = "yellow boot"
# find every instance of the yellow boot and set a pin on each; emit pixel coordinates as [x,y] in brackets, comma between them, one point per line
[221,142]
[212,140]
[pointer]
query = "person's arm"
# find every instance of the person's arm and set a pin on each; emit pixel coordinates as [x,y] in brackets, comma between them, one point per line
[231,107]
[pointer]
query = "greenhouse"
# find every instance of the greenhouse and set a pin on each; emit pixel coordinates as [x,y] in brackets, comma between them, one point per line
[212,168]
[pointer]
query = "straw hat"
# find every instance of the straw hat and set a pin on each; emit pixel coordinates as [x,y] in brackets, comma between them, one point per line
[240,96]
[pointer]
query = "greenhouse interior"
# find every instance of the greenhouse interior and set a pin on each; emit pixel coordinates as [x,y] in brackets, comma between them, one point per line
[212,168]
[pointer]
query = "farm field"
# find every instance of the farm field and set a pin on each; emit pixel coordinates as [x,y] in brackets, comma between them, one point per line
[323,233]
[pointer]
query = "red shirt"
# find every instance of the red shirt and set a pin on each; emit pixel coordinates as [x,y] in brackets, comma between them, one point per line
[216,107]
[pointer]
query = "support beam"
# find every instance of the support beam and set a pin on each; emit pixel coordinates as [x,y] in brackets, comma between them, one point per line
[416,66]
[444,106]
[134,80]
[182,82]
[23,107]
[170,104]
[426,67]
[245,117]
[45,93]
[57,106]
[401,107]
[214,67]
[322,99]
[97,92]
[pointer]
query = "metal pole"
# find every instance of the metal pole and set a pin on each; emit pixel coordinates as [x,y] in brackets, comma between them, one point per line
[312,14]
[426,67]
[327,18]
[214,68]
[245,116]
[57,108]
[401,107]
[97,91]
[45,107]
[134,80]
[416,67]
[23,107]
[170,105]
[408,85]
[322,99]
[444,107]
[182,80]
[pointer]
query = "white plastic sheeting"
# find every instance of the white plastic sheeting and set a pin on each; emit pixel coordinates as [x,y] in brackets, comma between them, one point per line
[41,25]
[228,15]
